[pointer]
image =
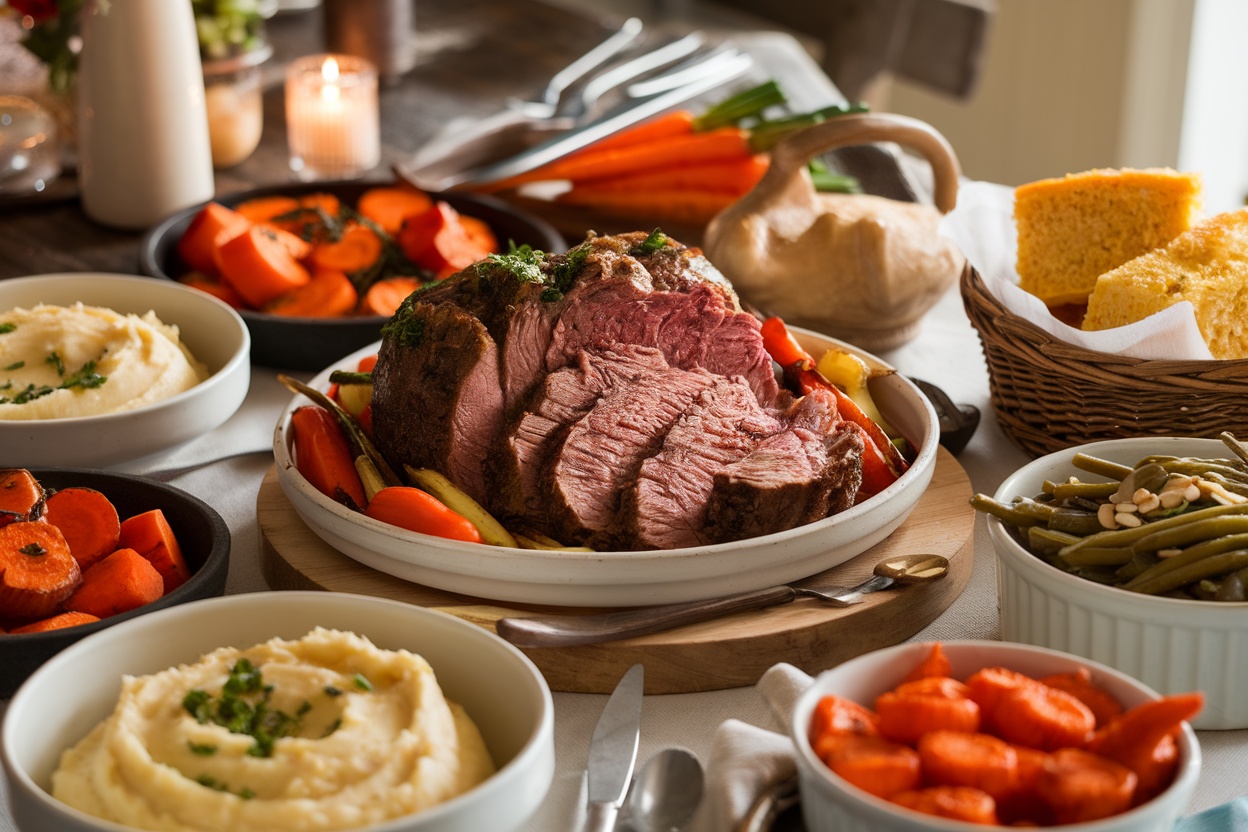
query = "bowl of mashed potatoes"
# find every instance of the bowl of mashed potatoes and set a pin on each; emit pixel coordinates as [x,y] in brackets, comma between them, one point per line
[282,710]
[98,369]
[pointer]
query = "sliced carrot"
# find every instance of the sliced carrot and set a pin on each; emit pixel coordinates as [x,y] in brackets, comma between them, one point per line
[835,715]
[324,458]
[150,534]
[934,664]
[480,233]
[683,205]
[89,521]
[212,286]
[1039,716]
[1024,805]
[389,206]
[37,571]
[198,242]
[945,686]
[328,294]
[21,496]
[1132,738]
[298,247]
[259,266]
[123,581]
[419,511]
[322,201]
[384,296]
[1079,685]
[873,764]
[958,758]
[1155,767]
[955,802]
[265,208]
[906,717]
[56,622]
[1080,786]
[436,240]
[358,248]
[989,685]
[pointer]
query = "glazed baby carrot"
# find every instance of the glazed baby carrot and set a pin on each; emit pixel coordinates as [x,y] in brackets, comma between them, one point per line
[1132,738]
[1080,786]
[935,663]
[1039,716]
[418,511]
[37,571]
[56,622]
[836,715]
[959,758]
[328,294]
[384,296]
[259,266]
[150,534]
[21,496]
[89,522]
[989,685]
[389,206]
[123,581]
[358,248]
[198,243]
[873,764]
[954,802]
[905,716]
[1079,685]
[323,456]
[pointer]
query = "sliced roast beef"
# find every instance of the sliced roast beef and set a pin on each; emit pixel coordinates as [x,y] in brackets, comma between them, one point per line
[437,401]
[789,479]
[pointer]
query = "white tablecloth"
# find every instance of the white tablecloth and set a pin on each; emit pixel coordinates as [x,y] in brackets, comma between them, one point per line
[946,352]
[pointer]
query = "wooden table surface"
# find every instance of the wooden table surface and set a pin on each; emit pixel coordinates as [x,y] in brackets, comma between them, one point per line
[471,55]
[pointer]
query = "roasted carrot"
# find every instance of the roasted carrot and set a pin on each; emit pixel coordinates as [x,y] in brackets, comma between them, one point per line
[37,571]
[265,208]
[873,764]
[436,240]
[358,248]
[322,201]
[212,286]
[123,581]
[836,715]
[89,521]
[324,458]
[21,496]
[480,233]
[935,663]
[959,758]
[989,685]
[298,247]
[955,802]
[1039,716]
[734,177]
[366,364]
[419,511]
[258,266]
[1132,737]
[384,296]
[328,294]
[150,534]
[905,717]
[55,622]
[389,206]
[1080,786]
[198,242]
[1079,684]
[683,205]
[665,126]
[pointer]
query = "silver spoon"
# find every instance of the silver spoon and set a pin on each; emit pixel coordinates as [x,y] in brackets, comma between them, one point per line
[666,792]
[569,630]
[167,474]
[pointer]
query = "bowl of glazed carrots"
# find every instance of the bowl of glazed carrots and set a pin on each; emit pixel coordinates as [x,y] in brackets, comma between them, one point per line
[316,268]
[82,549]
[955,735]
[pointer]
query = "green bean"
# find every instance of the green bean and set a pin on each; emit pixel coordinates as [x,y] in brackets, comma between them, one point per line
[1199,551]
[1096,556]
[1125,537]
[1094,490]
[1191,573]
[1232,587]
[1022,513]
[1046,541]
[1139,562]
[1075,522]
[1185,534]
[1205,468]
[1104,467]
[1238,448]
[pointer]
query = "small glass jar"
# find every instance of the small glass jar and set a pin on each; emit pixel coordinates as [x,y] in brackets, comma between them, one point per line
[235,105]
[29,154]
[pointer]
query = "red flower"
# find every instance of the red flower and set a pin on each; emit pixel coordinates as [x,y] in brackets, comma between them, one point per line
[39,10]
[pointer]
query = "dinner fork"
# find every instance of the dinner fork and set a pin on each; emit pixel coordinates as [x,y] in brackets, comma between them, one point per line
[629,31]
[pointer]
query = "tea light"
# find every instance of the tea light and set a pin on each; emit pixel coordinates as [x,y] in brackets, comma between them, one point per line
[333,128]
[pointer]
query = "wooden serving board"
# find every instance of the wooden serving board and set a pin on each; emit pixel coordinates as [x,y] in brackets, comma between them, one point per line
[729,652]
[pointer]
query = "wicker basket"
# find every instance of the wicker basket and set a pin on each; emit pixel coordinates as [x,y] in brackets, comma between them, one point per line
[1050,395]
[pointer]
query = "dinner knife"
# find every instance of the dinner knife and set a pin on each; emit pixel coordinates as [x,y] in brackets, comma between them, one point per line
[613,751]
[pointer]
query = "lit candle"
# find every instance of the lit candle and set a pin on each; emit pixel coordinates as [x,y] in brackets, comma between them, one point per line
[332,123]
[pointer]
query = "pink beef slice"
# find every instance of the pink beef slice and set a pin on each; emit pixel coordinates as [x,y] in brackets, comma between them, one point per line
[437,399]
[603,451]
[666,507]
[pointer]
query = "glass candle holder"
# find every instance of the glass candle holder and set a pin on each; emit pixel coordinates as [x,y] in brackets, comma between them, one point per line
[333,128]
[29,153]
[235,105]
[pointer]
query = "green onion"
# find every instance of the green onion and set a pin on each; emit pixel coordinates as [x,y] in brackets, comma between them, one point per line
[744,104]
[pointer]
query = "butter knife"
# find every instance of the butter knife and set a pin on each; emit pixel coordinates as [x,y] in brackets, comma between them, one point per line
[613,751]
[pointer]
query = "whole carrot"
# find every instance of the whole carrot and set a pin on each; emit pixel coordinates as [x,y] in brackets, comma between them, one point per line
[415,510]
[323,456]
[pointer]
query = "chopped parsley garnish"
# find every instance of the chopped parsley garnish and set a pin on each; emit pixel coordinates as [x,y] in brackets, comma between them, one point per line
[523,262]
[361,682]
[330,690]
[237,715]
[33,549]
[333,726]
[86,378]
[54,358]
[7,326]
[210,782]
[201,750]
[657,240]
[405,327]
[246,793]
[16,365]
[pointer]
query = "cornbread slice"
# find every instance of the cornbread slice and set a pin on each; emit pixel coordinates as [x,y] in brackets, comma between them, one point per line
[1207,265]
[1074,228]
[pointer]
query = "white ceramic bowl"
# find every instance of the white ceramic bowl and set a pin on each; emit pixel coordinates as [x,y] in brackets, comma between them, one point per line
[613,579]
[1170,644]
[830,804]
[499,688]
[213,332]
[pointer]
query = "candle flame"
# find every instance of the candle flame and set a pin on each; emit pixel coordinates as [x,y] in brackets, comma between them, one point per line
[329,72]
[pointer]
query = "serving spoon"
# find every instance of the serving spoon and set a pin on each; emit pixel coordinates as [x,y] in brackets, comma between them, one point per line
[568,630]
[666,792]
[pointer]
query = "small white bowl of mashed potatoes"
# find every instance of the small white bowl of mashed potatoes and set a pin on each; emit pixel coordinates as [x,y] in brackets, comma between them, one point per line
[99,369]
[282,710]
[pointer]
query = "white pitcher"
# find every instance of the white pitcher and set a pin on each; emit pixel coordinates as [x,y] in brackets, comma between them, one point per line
[142,126]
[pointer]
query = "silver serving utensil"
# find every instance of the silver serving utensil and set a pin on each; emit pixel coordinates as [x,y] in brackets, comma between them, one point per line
[168,474]
[568,630]
[629,31]
[617,76]
[666,792]
[613,751]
